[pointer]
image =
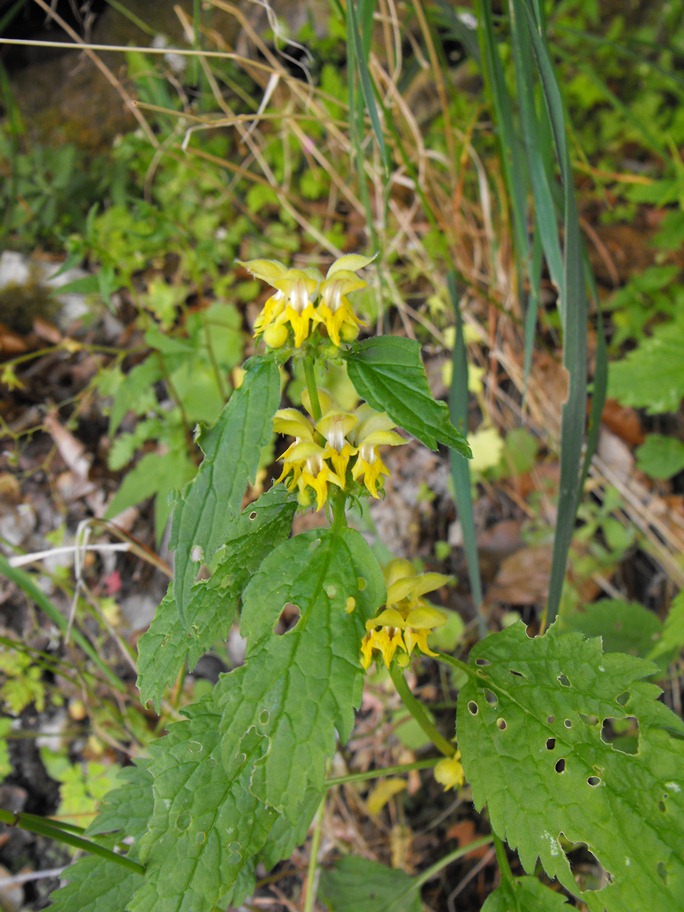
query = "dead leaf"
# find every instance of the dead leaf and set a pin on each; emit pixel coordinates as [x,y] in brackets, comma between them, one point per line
[523,578]
[623,421]
[464,833]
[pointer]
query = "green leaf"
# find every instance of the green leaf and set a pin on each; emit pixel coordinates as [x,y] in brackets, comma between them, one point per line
[660,456]
[652,376]
[534,727]
[672,640]
[168,645]
[156,474]
[524,894]
[211,502]
[5,761]
[361,885]
[387,371]
[257,747]
[96,885]
[128,807]
[136,392]
[624,626]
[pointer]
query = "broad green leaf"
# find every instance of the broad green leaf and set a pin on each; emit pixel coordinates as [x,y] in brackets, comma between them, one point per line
[168,645]
[660,456]
[524,894]
[388,373]
[624,626]
[360,885]
[652,376]
[258,746]
[306,683]
[96,885]
[203,819]
[534,728]
[211,502]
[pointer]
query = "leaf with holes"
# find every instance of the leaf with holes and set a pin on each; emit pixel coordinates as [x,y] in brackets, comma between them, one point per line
[168,645]
[567,745]
[387,371]
[525,894]
[211,503]
[254,751]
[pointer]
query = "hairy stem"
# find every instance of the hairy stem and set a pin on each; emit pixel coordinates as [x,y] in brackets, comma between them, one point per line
[311,387]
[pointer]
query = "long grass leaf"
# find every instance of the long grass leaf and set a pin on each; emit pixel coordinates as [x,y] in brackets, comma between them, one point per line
[460,468]
[574,313]
[365,79]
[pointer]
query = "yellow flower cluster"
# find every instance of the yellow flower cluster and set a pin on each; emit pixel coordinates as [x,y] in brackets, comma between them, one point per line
[322,451]
[407,618]
[305,300]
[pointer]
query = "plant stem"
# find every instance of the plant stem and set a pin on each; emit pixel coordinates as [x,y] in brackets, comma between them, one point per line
[310,897]
[457,663]
[339,508]
[54,829]
[311,387]
[438,866]
[378,773]
[502,860]
[418,712]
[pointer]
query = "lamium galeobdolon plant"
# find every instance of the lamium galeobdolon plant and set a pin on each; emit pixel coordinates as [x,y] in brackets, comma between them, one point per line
[238,782]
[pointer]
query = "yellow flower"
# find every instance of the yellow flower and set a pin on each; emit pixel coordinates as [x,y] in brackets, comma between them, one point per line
[293,301]
[407,619]
[334,427]
[449,772]
[304,459]
[373,429]
[334,309]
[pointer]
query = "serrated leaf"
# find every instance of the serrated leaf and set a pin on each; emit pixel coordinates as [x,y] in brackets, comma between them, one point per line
[530,730]
[168,645]
[258,746]
[306,682]
[524,894]
[203,817]
[96,885]
[658,366]
[126,809]
[212,501]
[387,371]
[360,885]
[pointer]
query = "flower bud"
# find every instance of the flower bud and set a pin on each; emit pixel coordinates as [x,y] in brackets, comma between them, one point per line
[276,336]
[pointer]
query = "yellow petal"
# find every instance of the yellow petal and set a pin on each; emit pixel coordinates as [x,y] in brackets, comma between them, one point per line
[266,270]
[291,421]
[426,618]
[352,262]
[390,617]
